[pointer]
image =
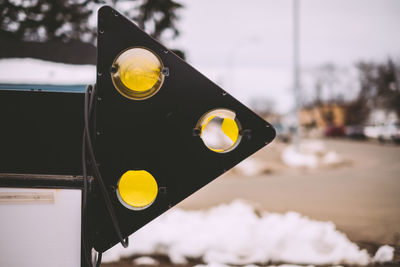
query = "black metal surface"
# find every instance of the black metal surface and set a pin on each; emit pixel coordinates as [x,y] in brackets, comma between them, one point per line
[157,134]
[41,132]
[19,180]
[41,140]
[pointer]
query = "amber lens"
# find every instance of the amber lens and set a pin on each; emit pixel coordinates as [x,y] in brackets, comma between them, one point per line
[137,189]
[219,130]
[137,73]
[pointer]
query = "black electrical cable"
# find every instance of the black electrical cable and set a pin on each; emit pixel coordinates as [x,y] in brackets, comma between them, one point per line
[84,169]
[86,251]
[86,248]
[88,112]
[88,142]
[99,256]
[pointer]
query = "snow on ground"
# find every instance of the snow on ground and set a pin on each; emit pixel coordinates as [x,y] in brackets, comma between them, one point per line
[251,167]
[331,158]
[237,234]
[250,265]
[310,154]
[384,254]
[213,265]
[145,261]
[294,158]
[35,71]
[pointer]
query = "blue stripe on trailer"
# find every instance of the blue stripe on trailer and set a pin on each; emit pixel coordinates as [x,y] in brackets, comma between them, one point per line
[77,88]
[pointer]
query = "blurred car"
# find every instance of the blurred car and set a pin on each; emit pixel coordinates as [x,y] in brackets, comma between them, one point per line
[389,132]
[283,132]
[385,132]
[355,131]
[334,131]
[372,131]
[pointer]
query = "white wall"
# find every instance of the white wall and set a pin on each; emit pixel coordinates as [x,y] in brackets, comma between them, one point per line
[40,227]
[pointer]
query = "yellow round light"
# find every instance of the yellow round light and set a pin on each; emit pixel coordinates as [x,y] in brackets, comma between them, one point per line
[137,189]
[219,130]
[137,73]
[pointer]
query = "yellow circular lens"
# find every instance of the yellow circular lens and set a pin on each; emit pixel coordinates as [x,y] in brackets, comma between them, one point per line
[219,130]
[137,189]
[137,73]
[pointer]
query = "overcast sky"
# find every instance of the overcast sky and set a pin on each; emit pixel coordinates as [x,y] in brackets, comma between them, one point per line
[260,31]
[248,39]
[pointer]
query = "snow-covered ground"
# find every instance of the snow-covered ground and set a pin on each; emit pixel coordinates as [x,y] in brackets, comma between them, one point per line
[238,234]
[252,166]
[35,71]
[144,260]
[310,154]
[251,265]
[384,254]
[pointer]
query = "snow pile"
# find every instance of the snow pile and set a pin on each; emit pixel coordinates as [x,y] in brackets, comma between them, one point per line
[251,265]
[214,264]
[310,154]
[294,158]
[331,158]
[145,261]
[251,167]
[35,71]
[312,147]
[384,254]
[236,234]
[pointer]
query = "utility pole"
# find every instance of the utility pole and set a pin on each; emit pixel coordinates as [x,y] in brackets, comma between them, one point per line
[296,69]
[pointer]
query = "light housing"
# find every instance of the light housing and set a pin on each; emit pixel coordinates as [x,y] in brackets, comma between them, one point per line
[220,130]
[137,190]
[159,134]
[137,73]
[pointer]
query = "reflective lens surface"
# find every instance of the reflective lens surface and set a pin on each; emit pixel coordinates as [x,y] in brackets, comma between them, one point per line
[219,130]
[137,189]
[137,73]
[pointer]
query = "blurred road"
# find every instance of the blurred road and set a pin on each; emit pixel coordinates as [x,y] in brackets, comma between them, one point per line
[362,197]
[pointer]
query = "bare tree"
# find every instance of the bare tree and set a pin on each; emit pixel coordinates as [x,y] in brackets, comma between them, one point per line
[43,20]
[380,84]
[66,20]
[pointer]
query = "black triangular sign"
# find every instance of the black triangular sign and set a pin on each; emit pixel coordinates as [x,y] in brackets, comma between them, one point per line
[158,134]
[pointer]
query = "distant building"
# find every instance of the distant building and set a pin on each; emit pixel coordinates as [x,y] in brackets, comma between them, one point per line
[322,116]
